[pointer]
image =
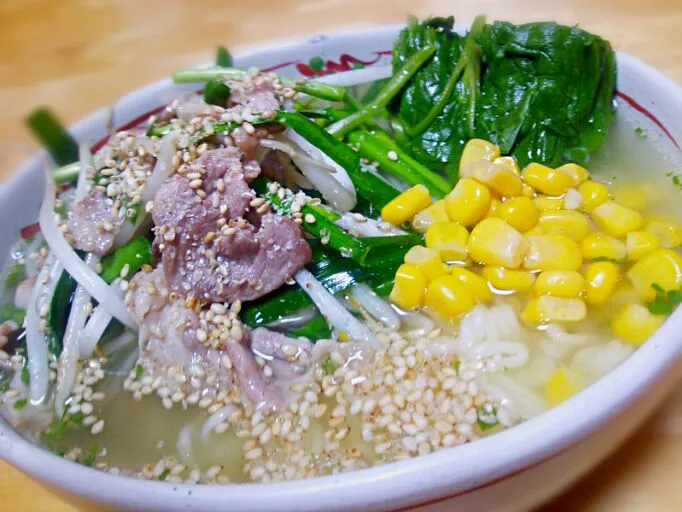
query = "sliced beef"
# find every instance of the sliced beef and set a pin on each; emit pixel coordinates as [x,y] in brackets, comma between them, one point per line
[258,97]
[251,378]
[288,357]
[209,249]
[92,224]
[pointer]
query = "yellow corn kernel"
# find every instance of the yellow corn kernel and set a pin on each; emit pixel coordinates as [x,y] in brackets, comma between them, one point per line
[508,163]
[668,233]
[449,239]
[437,212]
[568,284]
[663,268]
[505,279]
[527,191]
[476,284]
[623,293]
[593,194]
[475,150]
[600,281]
[552,252]
[468,202]
[449,297]
[426,260]
[577,173]
[408,204]
[519,212]
[564,222]
[409,287]
[563,384]
[494,211]
[631,196]
[546,309]
[601,246]
[616,220]
[546,203]
[640,243]
[635,324]
[494,242]
[498,178]
[546,180]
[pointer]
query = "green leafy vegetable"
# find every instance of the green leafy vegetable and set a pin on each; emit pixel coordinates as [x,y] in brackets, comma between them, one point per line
[20,404]
[90,456]
[164,474]
[135,253]
[665,301]
[139,370]
[543,92]
[159,131]
[4,386]
[50,132]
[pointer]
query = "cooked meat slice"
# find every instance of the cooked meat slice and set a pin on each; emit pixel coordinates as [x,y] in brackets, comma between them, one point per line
[258,97]
[251,378]
[92,224]
[288,357]
[208,249]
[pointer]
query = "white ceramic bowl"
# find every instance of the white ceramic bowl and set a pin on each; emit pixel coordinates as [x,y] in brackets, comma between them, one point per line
[513,470]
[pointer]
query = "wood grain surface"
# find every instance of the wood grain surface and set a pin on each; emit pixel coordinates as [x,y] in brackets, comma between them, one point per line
[77,55]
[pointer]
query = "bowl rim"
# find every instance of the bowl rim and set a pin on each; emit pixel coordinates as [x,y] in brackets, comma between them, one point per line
[417,481]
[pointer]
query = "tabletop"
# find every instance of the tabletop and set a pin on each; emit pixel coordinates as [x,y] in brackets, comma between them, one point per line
[78,55]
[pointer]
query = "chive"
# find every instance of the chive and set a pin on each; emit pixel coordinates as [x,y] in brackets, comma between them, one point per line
[66,174]
[225,126]
[403,166]
[328,366]
[216,93]
[487,420]
[20,404]
[665,302]
[164,474]
[135,254]
[368,185]
[91,456]
[25,375]
[223,58]
[188,76]
[159,131]
[392,88]
[11,312]
[48,130]
[139,370]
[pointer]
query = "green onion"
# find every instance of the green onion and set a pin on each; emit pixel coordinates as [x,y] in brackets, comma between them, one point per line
[58,142]
[391,89]
[91,456]
[487,419]
[139,370]
[135,253]
[164,474]
[399,163]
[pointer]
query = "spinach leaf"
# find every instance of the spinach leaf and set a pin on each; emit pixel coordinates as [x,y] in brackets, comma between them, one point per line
[543,92]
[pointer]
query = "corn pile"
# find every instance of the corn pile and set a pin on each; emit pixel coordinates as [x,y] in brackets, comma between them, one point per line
[561,240]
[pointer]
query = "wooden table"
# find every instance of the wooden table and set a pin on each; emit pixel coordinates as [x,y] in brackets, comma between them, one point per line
[77,55]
